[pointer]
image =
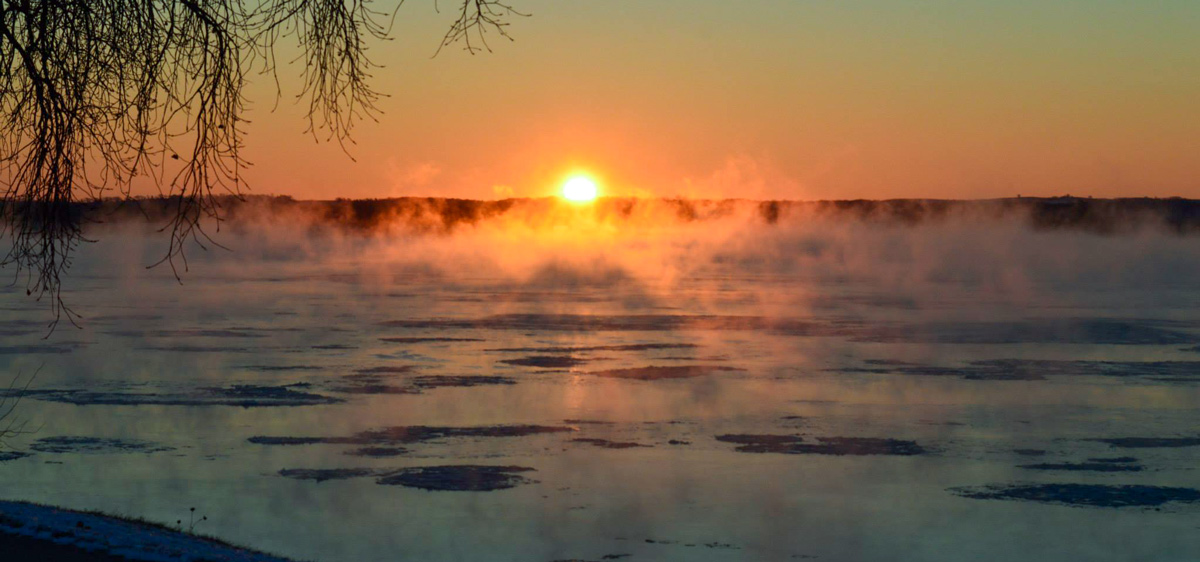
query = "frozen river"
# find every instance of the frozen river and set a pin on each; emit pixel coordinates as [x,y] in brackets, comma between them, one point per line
[721,390]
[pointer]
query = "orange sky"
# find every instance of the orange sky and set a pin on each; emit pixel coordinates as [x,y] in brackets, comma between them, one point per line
[771,99]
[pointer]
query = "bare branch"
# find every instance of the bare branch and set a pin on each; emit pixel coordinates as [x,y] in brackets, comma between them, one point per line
[10,398]
[95,94]
[475,19]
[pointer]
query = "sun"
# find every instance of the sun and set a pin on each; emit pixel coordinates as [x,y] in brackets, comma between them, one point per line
[580,189]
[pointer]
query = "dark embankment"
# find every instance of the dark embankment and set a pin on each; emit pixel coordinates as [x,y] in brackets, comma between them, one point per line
[440,215]
[17,548]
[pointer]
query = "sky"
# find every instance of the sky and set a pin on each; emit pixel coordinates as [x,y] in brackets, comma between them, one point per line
[768,99]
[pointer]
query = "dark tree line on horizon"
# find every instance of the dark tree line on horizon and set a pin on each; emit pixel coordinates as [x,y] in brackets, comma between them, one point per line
[96,94]
[444,215]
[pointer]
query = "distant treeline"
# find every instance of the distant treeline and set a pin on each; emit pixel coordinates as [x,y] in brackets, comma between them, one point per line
[430,214]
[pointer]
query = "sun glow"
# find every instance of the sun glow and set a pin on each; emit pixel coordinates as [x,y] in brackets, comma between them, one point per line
[580,189]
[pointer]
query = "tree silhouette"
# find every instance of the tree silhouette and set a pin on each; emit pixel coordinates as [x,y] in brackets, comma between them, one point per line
[97,93]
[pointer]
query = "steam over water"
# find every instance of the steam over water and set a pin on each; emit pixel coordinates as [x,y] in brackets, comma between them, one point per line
[668,380]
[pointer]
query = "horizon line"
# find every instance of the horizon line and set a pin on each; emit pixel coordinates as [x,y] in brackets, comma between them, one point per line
[1065,197]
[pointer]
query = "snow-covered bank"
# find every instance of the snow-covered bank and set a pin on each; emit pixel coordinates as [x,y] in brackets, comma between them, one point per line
[98,534]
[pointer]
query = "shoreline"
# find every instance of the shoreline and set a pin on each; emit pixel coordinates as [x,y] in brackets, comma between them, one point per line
[30,531]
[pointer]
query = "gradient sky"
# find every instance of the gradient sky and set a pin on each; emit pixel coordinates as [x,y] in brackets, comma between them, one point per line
[796,99]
